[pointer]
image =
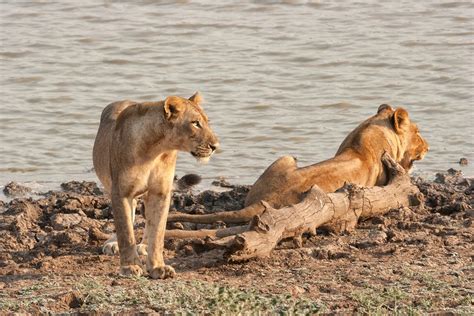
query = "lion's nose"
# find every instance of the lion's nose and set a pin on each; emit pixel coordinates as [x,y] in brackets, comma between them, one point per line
[213,147]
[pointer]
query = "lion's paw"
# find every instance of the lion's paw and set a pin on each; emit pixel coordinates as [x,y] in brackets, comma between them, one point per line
[141,250]
[131,270]
[162,272]
[110,248]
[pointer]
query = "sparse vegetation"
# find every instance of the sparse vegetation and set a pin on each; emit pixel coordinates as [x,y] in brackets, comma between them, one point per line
[100,294]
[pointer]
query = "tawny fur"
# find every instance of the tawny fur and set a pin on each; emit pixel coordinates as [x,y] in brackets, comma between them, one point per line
[135,155]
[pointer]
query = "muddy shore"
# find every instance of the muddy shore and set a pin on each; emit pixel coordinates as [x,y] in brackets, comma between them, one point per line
[416,259]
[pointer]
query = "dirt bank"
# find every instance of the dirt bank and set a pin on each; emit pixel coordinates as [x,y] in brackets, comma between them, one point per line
[412,260]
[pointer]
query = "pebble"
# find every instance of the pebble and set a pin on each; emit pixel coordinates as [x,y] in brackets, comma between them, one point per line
[463,161]
[14,189]
[63,221]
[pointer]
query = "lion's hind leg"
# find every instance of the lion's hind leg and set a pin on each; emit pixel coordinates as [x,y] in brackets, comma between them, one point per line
[130,263]
[110,247]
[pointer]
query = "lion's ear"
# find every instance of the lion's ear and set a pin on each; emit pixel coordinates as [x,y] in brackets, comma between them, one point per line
[384,107]
[196,98]
[173,107]
[400,120]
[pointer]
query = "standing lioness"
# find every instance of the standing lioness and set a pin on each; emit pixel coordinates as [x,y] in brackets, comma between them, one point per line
[135,154]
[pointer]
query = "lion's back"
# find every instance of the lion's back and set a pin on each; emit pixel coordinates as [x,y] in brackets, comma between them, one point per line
[103,140]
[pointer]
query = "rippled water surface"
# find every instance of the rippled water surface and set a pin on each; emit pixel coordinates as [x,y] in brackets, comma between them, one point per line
[279,77]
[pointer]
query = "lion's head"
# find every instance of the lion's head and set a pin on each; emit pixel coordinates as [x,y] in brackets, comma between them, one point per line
[389,130]
[190,126]
[414,147]
[404,137]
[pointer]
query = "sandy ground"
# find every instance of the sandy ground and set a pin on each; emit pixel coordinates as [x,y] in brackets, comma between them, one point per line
[410,261]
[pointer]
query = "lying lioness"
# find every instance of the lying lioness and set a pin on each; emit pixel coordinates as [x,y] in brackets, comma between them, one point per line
[135,154]
[358,161]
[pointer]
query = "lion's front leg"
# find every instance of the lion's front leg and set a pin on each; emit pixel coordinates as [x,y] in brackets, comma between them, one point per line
[129,261]
[156,208]
[157,205]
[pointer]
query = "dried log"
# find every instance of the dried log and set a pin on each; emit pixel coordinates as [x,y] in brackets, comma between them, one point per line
[318,208]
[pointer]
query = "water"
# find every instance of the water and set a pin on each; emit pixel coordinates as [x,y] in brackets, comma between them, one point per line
[279,77]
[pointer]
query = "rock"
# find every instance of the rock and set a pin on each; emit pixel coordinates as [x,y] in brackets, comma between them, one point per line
[41,236]
[228,200]
[452,176]
[378,237]
[222,182]
[73,299]
[14,189]
[26,215]
[24,206]
[438,219]
[63,221]
[188,250]
[67,238]
[7,263]
[330,252]
[175,225]
[451,240]
[296,290]
[82,187]
[102,213]
[463,161]
[208,198]
[395,236]
[73,204]
[182,200]
[219,225]
[380,220]
[198,209]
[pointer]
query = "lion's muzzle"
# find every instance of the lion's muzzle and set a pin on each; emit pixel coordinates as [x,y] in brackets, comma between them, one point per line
[204,151]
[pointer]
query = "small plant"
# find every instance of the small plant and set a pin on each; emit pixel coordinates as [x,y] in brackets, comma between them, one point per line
[390,299]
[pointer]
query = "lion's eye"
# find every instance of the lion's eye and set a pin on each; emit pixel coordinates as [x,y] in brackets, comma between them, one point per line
[196,124]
